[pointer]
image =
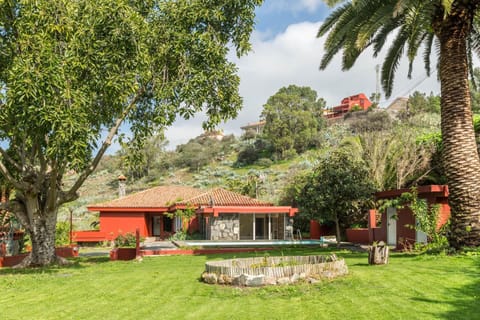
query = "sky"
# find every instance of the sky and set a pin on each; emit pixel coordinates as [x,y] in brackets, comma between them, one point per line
[285,51]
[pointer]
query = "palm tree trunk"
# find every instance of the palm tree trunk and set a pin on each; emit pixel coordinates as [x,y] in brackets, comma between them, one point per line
[460,157]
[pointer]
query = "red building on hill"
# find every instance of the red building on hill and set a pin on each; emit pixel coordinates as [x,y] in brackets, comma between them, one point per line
[357,101]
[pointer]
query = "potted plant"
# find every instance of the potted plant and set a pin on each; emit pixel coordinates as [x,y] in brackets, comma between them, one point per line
[124,247]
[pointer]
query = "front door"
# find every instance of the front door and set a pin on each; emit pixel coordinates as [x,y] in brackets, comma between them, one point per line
[260,228]
[420,236]
[392,226]
[156,226]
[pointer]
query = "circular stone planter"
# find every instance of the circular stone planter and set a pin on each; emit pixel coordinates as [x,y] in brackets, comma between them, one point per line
[260,271]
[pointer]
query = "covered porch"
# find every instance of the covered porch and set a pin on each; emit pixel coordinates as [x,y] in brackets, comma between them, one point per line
[246,223]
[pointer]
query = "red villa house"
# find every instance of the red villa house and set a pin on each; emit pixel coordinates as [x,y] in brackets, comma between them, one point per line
[347,104]
[220,215]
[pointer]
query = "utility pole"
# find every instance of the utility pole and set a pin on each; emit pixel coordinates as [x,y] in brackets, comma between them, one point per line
[377,85]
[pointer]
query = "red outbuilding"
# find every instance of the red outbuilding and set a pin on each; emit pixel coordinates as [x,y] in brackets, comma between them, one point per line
[396,224]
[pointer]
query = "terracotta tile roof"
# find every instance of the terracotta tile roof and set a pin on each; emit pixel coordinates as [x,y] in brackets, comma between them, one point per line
[163,196]
[222,197]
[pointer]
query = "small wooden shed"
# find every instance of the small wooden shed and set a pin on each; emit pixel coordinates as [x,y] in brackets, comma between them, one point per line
[394,226]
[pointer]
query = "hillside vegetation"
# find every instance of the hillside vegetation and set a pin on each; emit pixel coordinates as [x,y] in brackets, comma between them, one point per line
[395,152]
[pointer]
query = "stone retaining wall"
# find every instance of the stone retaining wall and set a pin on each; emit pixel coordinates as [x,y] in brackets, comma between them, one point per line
[273,270]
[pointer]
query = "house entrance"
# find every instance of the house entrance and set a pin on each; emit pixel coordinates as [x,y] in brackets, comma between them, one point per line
[246,229]
[161,226]
[156,226]
[391,226]
[262,226]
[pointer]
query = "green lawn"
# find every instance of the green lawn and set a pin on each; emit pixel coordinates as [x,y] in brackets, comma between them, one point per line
[409,287]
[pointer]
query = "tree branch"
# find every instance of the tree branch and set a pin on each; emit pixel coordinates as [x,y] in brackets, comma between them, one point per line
[72,193]
[51,195]
[17,208]
[4,171]
[10,160]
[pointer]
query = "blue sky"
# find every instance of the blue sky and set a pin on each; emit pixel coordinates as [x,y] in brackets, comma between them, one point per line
[286,51]
[274,16]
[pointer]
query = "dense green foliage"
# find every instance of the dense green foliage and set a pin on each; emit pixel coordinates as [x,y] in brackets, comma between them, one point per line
[294,118]
[203,150]
[143,157]
[338,190]
[419,102]
[72,72]
[410,286]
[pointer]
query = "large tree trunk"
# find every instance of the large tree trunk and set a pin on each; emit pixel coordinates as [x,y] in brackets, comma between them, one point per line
[40,225]
[460,156]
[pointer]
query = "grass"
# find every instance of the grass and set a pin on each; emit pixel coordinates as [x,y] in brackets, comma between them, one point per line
[409,287]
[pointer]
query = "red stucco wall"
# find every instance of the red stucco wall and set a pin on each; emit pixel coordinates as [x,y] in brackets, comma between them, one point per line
[318,230]
[444,213]
[112,223]
[357,235]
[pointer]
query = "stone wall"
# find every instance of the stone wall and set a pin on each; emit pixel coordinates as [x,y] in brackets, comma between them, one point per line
[274,270]
[225,227]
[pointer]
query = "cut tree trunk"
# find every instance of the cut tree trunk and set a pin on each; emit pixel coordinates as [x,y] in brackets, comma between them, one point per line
[460,157]
[378,254]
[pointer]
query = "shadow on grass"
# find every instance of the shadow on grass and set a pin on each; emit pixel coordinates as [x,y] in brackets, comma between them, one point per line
[75,263]
[465,300]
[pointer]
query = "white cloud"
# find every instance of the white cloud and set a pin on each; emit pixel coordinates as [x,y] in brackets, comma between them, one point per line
[311,5]
[293,57]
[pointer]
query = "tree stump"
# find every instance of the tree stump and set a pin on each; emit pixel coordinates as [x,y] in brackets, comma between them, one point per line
[378,254]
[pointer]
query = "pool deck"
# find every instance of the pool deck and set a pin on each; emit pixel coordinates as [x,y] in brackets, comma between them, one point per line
[251,243]
[190,247]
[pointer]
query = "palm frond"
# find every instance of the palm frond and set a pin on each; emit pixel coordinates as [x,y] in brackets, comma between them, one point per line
[332,20]
[475,36]
[392,60]
[377,15]
[382,35]
[328,55]
[428,52]
[356,25]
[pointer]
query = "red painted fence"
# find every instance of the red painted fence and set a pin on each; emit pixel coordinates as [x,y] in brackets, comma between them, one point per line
[65,252]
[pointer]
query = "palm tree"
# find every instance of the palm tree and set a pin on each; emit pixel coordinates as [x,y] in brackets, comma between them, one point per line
[449,28]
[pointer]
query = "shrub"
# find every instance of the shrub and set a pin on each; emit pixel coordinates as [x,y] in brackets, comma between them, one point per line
[62,233]
[127,240]
[264,162]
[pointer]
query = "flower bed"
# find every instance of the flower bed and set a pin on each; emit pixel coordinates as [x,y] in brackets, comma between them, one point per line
[273,270]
